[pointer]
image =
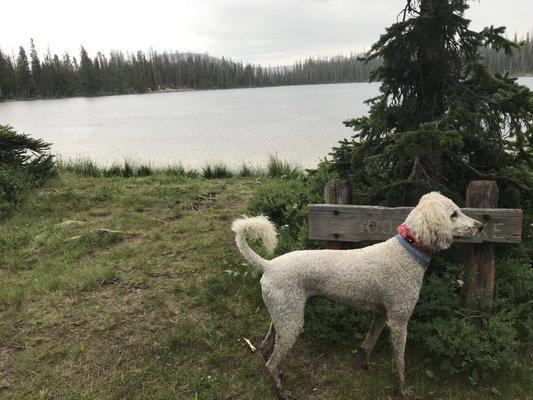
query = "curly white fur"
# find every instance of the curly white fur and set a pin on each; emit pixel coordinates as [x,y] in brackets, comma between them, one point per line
[384,279]
[254,228]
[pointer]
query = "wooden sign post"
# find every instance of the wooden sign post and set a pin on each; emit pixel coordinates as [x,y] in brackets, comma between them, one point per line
[338,191]
[343,223]
[478,258]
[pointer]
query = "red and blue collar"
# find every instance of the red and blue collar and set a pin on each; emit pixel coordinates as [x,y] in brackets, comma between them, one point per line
[417,249]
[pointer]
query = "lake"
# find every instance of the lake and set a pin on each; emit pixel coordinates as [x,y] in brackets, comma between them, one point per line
[297,123]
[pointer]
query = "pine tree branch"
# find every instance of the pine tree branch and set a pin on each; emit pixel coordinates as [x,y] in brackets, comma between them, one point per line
[474,170]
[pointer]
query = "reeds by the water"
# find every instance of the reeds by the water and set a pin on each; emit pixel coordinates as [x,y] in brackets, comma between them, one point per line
[275,168]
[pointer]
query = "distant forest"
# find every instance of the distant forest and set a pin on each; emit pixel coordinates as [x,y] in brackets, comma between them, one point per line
[24,77]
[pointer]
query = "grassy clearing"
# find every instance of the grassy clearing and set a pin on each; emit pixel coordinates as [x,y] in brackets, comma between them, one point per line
[158,310]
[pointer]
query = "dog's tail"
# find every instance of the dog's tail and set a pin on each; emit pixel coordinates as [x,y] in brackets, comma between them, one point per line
[255,228]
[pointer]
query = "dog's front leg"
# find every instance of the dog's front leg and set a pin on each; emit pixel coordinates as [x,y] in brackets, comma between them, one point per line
[398,335]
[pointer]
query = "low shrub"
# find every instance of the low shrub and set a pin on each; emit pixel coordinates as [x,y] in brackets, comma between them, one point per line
[465,341]
[329,322]
[283,201]
[24,164]
[461,345]
[14,186]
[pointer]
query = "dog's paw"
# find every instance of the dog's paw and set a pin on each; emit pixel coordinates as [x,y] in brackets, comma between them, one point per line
[283,394]
[405,393]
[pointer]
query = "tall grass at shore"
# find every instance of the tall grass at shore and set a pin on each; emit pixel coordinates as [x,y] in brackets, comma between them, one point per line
[275,168]
[217,171]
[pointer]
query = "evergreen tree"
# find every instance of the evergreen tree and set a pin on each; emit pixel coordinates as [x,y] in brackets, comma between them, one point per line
[441,118]
[36,78]
[86,74]
[7,77]
[22,74]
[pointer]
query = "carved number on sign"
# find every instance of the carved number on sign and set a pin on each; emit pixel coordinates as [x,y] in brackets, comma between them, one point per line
[372,226]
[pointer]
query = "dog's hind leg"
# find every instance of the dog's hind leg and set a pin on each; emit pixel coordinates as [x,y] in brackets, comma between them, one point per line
[288,325]
[363,354]
[267,346]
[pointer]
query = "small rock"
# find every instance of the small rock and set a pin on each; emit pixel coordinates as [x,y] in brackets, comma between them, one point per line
[41,237]
[47,191]
[105,232]
[70,223]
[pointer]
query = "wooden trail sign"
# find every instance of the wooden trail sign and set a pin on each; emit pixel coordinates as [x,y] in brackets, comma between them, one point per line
[334,222]
[340,223]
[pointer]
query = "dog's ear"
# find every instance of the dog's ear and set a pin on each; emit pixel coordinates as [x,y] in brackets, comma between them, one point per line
[430,223]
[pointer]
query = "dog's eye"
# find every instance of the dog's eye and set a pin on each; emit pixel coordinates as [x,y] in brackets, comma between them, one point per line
[454,215]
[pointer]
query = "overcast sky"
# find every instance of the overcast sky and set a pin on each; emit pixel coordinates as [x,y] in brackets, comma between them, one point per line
[270,32]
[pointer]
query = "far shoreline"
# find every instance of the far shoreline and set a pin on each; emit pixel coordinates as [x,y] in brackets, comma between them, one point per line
[175,90]
[158,91]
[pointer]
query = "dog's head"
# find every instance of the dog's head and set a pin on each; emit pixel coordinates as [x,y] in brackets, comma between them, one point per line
[436,221]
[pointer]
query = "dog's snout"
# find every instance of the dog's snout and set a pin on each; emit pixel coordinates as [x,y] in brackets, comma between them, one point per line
[480,227]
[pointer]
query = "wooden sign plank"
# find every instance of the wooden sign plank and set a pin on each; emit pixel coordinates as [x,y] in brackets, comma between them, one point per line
[351,223]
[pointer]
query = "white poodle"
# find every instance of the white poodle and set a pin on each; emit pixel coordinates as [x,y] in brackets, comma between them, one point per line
[384,279]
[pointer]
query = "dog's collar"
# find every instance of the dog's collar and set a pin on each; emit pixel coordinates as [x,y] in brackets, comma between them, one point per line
[413,246]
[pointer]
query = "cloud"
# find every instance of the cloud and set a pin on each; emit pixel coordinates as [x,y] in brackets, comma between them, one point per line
[269,32]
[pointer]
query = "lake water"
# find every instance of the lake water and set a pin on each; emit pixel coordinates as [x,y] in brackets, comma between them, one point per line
[297,123]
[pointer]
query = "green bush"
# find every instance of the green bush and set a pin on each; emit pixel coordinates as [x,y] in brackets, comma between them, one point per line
[283,201]
[330,322]
[24,164]
[462,346]
[14,186]
[462,340]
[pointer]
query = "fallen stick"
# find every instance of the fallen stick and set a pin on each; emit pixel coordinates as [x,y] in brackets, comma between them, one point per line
[250,345]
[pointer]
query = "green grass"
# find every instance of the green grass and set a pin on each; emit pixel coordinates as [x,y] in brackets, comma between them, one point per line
[159,311]
[277,168]
[216,171]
